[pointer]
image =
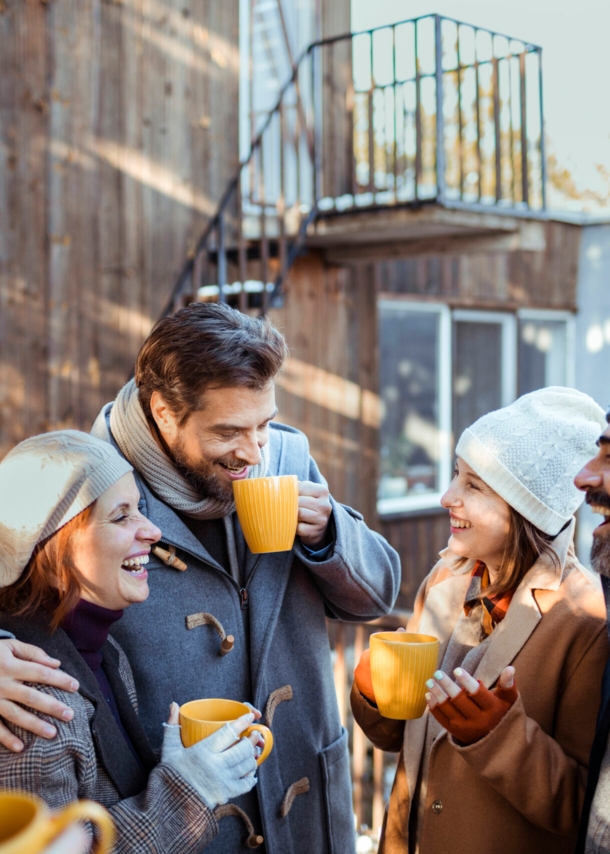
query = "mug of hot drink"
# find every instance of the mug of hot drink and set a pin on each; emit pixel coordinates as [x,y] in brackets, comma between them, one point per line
[268,509]
[401,662]
[27,825]
[200,718]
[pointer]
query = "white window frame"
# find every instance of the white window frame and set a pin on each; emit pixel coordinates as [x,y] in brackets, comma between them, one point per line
[389,506]
[509,349]
[537,314]
[508,322]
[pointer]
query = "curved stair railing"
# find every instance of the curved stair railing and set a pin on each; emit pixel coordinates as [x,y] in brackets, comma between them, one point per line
[426,110]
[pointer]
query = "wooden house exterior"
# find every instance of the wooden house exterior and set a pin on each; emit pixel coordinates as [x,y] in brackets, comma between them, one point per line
[118,135]
[331,386]
[380,194]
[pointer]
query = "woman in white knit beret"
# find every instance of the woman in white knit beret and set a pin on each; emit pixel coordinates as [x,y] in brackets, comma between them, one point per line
[73,554]
[498,762]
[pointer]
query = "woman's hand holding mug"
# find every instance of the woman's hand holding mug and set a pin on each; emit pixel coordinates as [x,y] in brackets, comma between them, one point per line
[219,767]
[363,677]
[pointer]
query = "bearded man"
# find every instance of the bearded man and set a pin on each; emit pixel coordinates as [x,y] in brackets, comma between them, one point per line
[197,417]
[594,834]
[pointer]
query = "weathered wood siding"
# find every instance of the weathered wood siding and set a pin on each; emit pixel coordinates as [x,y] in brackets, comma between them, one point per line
[330,386]
[485,272]
[118,134]
[329,390]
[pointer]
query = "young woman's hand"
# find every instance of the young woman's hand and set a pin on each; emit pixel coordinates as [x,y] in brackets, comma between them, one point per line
[468,710]
[363,678]
[362,674]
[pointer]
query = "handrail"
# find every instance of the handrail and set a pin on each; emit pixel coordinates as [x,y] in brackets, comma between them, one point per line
[406,148]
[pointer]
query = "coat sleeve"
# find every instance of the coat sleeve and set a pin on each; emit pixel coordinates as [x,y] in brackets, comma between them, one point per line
[544,777]
[167,816]
[360,579]
[385,734]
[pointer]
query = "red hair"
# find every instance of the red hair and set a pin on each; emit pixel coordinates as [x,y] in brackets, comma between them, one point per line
[50,583]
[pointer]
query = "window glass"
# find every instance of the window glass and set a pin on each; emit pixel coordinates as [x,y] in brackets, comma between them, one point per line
[477,372]
[542,354]
[410,434]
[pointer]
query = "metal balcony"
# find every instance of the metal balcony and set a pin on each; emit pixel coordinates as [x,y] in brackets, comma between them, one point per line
[430,111]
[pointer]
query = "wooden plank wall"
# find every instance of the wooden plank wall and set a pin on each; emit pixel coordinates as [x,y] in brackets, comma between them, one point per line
[329,388]
[543,275]
[329,323]
[118,134]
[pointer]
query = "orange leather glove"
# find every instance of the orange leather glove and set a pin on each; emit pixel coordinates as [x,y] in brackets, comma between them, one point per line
[363,678]
[470,717]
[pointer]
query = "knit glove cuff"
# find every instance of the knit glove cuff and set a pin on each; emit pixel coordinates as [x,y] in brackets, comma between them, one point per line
[470,717]
[219,767]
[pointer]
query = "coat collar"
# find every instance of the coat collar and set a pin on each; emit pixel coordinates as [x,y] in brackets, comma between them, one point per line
[524,613]
[443,607]
[126,774]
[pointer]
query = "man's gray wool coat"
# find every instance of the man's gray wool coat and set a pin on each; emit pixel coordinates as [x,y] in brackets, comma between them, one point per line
[280,641]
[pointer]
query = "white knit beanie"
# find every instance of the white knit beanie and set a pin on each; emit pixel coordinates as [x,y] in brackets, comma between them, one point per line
[45,482]
[529,452]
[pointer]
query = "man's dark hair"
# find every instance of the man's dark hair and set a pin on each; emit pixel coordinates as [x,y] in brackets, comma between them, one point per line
[202,346]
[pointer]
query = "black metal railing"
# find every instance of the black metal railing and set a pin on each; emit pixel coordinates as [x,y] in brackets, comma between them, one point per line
[426,110]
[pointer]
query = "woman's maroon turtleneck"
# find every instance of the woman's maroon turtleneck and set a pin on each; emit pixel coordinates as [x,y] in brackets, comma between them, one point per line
[87,626]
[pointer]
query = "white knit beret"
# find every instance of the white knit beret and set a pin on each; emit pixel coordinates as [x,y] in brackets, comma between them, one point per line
[529,452]
[45,482]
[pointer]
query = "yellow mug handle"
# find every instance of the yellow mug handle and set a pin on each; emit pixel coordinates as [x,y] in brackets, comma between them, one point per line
[88,811]
[268,737]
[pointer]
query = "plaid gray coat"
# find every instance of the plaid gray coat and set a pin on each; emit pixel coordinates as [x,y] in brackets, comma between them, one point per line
[90,759]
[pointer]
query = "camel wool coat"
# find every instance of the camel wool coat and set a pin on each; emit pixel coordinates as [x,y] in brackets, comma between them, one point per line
[521,787]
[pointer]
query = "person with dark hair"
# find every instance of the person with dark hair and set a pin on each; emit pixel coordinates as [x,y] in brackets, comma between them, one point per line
[498,762]
[220,621]
[74,555]
[594,832]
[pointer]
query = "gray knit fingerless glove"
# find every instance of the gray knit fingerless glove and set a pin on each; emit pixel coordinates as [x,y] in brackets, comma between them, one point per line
[219,767]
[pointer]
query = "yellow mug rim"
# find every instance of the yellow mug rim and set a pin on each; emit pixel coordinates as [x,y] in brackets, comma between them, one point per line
[404,637]
[240,709]
[248,481]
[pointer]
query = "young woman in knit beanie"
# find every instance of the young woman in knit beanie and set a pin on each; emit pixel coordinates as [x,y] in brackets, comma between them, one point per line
[498,762]
[73,555]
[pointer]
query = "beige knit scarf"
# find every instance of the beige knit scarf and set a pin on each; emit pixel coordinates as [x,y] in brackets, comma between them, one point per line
[132,434]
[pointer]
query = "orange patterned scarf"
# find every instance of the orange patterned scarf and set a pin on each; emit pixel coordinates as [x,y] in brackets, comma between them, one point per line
[494,607]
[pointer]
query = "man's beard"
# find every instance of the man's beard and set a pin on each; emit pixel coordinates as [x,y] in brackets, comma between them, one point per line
[600,550]
[200,474]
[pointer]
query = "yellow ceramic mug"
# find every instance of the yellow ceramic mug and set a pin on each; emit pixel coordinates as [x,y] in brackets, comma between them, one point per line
[201,718]
[268,508]
[400,665]
[27,825]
